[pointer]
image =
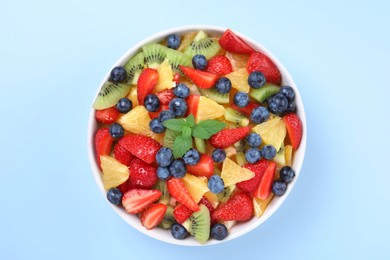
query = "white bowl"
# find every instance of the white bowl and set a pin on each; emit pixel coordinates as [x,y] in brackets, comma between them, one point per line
[241,228]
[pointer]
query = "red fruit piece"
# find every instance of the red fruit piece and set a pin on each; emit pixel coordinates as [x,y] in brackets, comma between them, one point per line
[122,155]
[143,147]
[142,175]
[181,213]
[264,189]
[154,115]
[153,215]
[219,65]
[238,208]
[260,62]
[207,203]
[205,166]
[228,137]
[176,78]
[165,96]
[232,43]
[107,116]
[124,187]
[146,82]
[136,200]
[294,129]
[259,169]
[192,102]
[202,79]
[177,190]
[246,110]
[103,142]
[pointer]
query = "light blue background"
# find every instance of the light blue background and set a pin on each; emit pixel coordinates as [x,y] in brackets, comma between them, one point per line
[54,54]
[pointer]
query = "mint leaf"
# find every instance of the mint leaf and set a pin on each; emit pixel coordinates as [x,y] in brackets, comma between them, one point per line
[186,132]
[207,128]
[175,124]
[181,146]
[190,120]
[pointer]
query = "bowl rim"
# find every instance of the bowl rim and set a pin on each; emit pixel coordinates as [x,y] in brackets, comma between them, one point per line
[242,228]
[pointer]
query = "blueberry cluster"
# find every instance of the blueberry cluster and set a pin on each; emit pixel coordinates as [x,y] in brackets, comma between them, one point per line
[279,187]
[282,102]
[254,154]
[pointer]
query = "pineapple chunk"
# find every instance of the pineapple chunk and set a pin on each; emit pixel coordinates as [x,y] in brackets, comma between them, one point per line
[261,205]
[186,41]
[272,132]
[233,173]
[238,61]
[136,121]
[288,154]
[239,80]
[114,173]
[208,109]
[133,96]
[212,197]
[196,186]
[165,77]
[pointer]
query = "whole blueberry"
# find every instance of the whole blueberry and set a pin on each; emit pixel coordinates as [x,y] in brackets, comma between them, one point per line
[114,196]
[156,126]
[178,168]
[164,157]
[277,104]
[118,74]
[223,85]
[252,155]
[181,90]
[199,62]
[241,99]
[215,184]
[178,106]
[259,115]
[254,140]
[166,115]
[173,41]
[152,103]
[219,231]
[218,155]
[163,173]
[124,105]
[268,152]
[279,188]
[291,106]
[178,231]
[116,130]
[191,157]
[287,174]
[288,92]
[256,79]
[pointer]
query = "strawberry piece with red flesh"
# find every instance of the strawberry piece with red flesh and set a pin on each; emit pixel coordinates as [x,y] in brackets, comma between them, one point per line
[181,213]
[103,142]
[146,82]
[294,129]
[219,65]
[143,147]
[247,110]
[260,62]
[202,79]
[153,215]
[205,166]
[142,175]
[207,203]
[192,103]
[107,116]
[154,115]
[122,155]
[176,78]
[264,189]
[237,208]
[228,137]
[177,190]
[136,200]
[165,96]
[259,169]
[233,43]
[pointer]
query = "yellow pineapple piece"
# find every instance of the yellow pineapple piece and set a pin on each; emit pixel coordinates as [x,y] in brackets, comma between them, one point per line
[272,132]
[239,80]
[136,121]
[233,173]
[261,205]
[230,151]
[196,186]
[133,96]
[114,173]
[208,109]
[186,41]
[288,149]
[165,77]
[238,61]
[212,197]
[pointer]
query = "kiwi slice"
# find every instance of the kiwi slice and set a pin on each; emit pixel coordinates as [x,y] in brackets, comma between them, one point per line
[214,94]
[110,94]
[134,68]
[177,58]
[154,54]
[168,219]
[261,94]
[198,224]
[200,144]
[169,138]
[235,117]
[240,158]
[202,44]
[226,193]
[162,186]
[279,157]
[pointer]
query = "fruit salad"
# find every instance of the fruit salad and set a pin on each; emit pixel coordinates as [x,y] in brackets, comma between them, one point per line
[195,134]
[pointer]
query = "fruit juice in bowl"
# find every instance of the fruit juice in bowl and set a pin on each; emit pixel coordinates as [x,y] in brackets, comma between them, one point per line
[197,135]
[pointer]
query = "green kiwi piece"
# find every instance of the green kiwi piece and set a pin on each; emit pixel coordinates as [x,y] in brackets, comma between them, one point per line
[226,193]
[162,186]
[169,219]
[202,44]
[235,117]
[169,138]
[177,58]
[154,54]
[214,94]
[200,145]
[134,68]
[279,157]
[110,94]
[198,224]
[240,158]
[261,94]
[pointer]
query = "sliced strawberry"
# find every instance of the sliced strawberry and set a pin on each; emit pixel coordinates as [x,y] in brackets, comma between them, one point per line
[245,110]
[228,137]
[107,116]
[154,115]
[136,200]
[207,203]
[177,190]
[142,175]
[165,96]
[219,65]
[181,213]
[146,82]
[103,142]
[294,129]
[153,215]
[238,208]
[143,147]
[259,169]
[232,43]
[124,187]
[202,79]
[122,155]
[264,188]
[192,102]
[260,62]
[205,166]
[176,78]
